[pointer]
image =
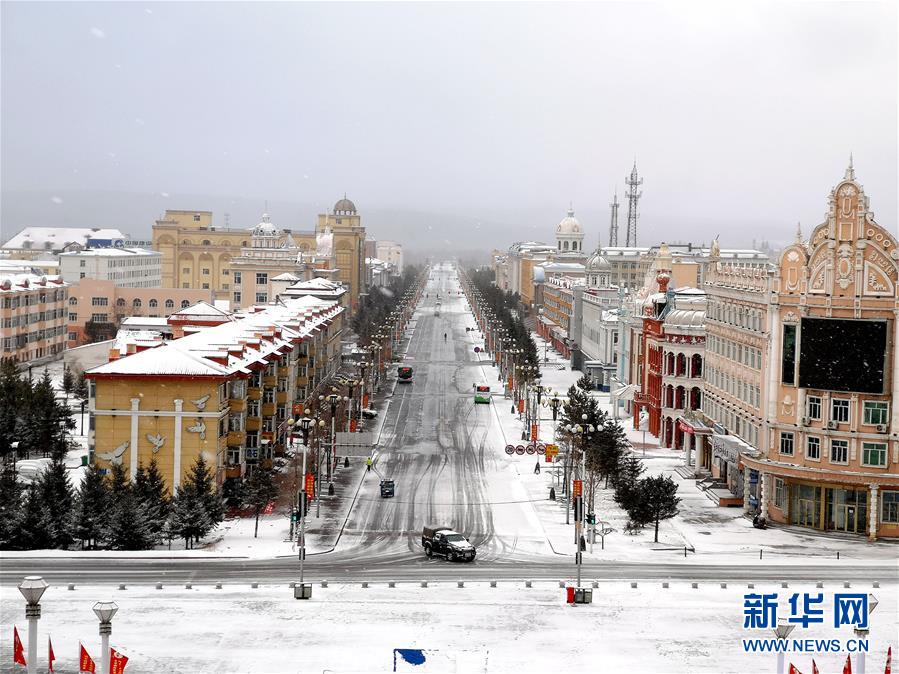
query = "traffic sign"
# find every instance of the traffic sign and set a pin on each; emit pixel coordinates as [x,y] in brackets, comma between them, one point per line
[578,488]
[552,450]
[531,449]
[477,349]
[520,450]
[510,449]
[541,448]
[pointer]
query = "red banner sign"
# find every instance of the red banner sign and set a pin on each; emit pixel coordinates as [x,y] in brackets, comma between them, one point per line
[310,485]
[684,426]
[578,488]
[534,432]
[297,409]
[520,405]
[353,425]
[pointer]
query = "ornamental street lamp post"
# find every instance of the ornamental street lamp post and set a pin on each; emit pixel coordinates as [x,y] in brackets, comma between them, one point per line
[862,633]
[32,588]
[305,425]
[105,610]
[782,631]
[333,401]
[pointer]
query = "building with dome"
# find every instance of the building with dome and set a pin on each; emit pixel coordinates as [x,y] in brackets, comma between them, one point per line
[344,224]
[570,235]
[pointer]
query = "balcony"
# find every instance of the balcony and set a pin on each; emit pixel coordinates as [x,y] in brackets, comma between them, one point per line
[254,394]
[253,423]
[282,397]
[232,471]
[237,405]
[302,381]
[268,409]
[270,382]
[236,438]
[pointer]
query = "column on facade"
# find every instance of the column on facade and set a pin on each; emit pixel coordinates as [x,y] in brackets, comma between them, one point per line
[746,488]
[135,419]
[764,485]
[176,449]
[872,513]
[688,446]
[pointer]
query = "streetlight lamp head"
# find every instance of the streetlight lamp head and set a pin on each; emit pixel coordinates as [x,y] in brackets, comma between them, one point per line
[321,398]
[32,588]
[105,610]
[583,417]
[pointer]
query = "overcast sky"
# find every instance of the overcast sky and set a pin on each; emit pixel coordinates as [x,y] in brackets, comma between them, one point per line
[741,116]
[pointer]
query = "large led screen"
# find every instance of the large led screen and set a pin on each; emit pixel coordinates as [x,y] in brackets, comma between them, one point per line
[842,355]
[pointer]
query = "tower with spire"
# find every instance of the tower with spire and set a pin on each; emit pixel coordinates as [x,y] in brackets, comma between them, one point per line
[633,196]
[613,225]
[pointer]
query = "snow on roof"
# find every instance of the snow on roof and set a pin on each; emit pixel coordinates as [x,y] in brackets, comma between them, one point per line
[159,321]
[14,283]
[38,237]
[202,308]
[286,276]
[111,252]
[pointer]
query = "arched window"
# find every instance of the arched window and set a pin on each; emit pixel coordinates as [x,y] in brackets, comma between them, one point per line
[120,302]
[136,303]
[153,304]
[564,245]
[73,301]
[186,242]
[169,304]
[206,242]
[185,304]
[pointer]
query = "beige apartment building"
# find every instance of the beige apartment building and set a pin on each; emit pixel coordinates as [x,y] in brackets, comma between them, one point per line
[32,316]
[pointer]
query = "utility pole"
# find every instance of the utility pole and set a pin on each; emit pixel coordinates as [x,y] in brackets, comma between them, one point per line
[633,196]
[613,225]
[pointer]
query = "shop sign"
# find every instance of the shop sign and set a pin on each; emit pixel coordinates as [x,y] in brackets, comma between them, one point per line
[722,448]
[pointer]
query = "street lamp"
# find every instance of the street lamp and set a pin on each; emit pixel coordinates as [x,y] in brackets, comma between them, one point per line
[333,401]
[305,425]
[782,631]
[105,610]
[32,588]
[862,633]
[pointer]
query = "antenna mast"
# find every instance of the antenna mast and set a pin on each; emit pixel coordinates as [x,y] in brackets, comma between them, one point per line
[613,226]
[633,196]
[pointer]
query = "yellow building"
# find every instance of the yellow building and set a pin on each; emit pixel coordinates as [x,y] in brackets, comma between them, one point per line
[226,389]
[348,245]
[194,253]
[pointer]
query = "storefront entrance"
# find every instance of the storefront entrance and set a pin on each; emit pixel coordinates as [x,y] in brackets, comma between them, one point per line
[807,506]
[846,510]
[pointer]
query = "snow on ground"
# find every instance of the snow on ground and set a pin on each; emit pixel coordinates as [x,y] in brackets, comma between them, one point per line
[477,628]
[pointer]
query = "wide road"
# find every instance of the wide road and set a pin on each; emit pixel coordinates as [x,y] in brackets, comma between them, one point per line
[445,455]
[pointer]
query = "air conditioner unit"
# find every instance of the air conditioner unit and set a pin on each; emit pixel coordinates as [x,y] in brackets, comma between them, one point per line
[832,425]
[881,428]
[805,421]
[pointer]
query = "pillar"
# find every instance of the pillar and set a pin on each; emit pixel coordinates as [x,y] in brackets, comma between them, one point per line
[176,449]
[764,485]
[746,487]
[688,446]
[872,513]
[132,461]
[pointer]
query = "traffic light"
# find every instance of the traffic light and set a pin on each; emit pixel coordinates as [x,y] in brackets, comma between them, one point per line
[578,508]
[303,504]
[591,518]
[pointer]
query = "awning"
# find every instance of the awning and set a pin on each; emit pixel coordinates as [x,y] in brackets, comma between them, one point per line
[626,392]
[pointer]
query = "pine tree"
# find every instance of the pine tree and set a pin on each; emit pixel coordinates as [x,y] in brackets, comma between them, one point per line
[258,490]
[610,444]
[91,513]
[81,389]
[152,494]
[627,482]
[33,533]
[68,380]
[128,528]
[585,383]
[201,480]
[14,399]
[118,482]
[189,518]
[10,508]
[44,423]
[55,489]
[659,498]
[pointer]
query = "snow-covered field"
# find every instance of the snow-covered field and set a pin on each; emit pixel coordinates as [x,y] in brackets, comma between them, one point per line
[477,628]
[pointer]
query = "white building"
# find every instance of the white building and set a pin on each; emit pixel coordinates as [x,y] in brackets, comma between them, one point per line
[126,267]
[34,242]
[390,252]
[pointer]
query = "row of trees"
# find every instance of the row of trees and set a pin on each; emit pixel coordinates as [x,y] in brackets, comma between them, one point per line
[107,511]
[31,416]
[607,461]
[504,305]
[375,307]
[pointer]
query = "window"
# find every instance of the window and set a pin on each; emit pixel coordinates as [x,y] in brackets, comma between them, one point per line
[261,279]
[153,304]
[185,285]
[197,217]
[876,412]
[99,318]
[205,271]
[99,301]
[205,286]
[185,270]
[237,297]
[839,410]
[889,507]
[874,454]
[839,451]
[788,361]
[169,304]
[813,448]
[237,277]
[813,407]
[252,408]
[786,444]
[780,495]
[226,272]
[185,304]
[136,303]
[73,301]
[73,318]
[120,302]
[206,242]
[261,298]
[73,336]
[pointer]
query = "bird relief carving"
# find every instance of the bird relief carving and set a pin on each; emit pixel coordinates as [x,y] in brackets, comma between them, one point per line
[200,403]
[115,456]
[198,427]
[787,406]
[157,441]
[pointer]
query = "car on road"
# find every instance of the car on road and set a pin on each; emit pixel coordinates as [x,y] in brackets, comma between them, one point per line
[445,542]
[368,413]
[388,489]
[482,394]
[404,374]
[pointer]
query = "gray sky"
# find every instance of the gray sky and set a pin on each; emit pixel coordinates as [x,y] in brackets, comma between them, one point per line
[741,116]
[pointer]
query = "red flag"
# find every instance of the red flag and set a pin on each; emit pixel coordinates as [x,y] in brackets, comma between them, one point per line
[889,668]
[86,662]
[847,668]
[51,657]
[18,652]
[793,669]
[814,667]
[117,662]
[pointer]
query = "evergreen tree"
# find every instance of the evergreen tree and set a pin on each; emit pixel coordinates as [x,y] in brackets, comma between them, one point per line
[14,399]
[189,519]
[152,494]
[258,490]
[128,528]
[91,514]
[81,389]
[68,380]
[10,508]
[627,482]
[659,500]
[33,533]
[43,423]
[585,383]
[119,484]
[55,489]
[202,482]
[609,446]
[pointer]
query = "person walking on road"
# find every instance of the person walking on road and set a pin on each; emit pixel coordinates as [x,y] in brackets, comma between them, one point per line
[537,468]
[368,463]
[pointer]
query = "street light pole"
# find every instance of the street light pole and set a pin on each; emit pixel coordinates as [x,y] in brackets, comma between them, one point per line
[105,610]
[305,423]
[32,588]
